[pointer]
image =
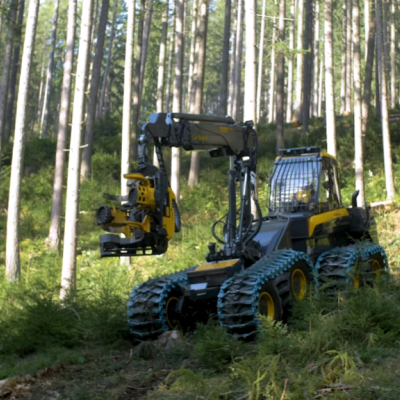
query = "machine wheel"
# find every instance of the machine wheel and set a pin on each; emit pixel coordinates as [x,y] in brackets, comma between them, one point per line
[375,268]
[269,302]
[300,280]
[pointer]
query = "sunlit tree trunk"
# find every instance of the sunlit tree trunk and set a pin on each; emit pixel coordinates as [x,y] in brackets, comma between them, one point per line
[56,208]
[170,62]
[280,88]
[343,61]
[145,46]
[108,65]
[223,108]
[392,56]
[49,75]
[68,276]
[237,82]
[308,65]
[329,92]
[260,63]
[386,43]
[316,60]
[387,149]
[191,57]
[271,106]
[13,269]
[86,164]
[177,98]
[289,107]
[299,62]
[366,27]
[348,58]
[15,68]
[377,84]
[320,88]
[232,65]
[198,81]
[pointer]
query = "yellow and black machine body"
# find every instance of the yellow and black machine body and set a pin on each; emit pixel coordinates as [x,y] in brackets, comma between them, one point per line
[257,264]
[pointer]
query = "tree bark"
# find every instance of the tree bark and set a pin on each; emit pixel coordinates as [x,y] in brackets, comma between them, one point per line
[177,99]
[232,65]
[289,107]
[343,75]
[308,65]
[377,85]
[191,57]
[348,58]
[13,269]
[7,66]
[86,164]
[271,106]
[387,149]
[392,57]
[366,100]
[316,60]
[299,73]
[108,65]
[223,104]
[320,94]
[366,27]
[358,142]
[68,276]
[386,43]
[329,92]
[237,82]
[170,59]
[280,89]
[14,73]
[145,46]
[53,239]
[49,76]
[260,63]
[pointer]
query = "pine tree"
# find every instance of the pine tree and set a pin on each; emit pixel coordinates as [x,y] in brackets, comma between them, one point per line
[225,60]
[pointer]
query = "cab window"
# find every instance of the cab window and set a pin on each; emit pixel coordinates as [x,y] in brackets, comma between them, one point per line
[329,194]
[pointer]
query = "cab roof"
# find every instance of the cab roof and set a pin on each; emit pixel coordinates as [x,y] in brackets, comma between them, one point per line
[303,151]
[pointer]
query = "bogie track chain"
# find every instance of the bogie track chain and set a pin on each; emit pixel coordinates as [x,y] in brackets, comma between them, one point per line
[147,304]
[238,297]
[338,265]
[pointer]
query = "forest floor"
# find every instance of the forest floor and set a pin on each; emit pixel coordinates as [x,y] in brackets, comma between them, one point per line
[332,347]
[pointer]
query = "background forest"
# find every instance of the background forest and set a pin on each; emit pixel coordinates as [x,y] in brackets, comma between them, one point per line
[78,78]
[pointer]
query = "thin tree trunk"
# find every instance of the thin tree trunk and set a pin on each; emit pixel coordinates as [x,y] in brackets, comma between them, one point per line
[358,142]
[237,82]
[386,42]
[320,91]
[145,46]
[223,105]
[13,268]
[308,65]
[68,276]
[377,85]
[14,73]
[49,77]
[177,99]
[232,66]
[280,89]
[260,63]
[86,164]
[289,107]
[271,107]
[5,77]
[108,65]
[316,60]
[343,75]
[56,208]
[93,26]
[348,58]
[366,100]
[299,73]
[329,74]
[170,58]
[366,27]
[191,57]
[387,150]
[392,57]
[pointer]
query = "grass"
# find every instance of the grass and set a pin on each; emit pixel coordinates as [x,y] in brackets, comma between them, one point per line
[80,349]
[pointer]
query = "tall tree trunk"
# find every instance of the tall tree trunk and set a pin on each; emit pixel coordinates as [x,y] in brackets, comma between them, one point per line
[387,149]
[237,82]
[271,106]
[5,77]
[250,64]
[316,60]
[86,164]
[13,268]
[198,82]
[232,65]
[366,27]
[108,65]
[299,58]
[289,107]
[329,91]
[348,58]
[145,46]
[56,208]
[280,89]
[170,59]
[358,142]
[260,63]
[392,57]
[386,42]
[50,70]
[14,72]
[136,82]
[308,65]
[343,73]
[223,104]
[191,57]
[366,100]
[177,99]
[377,85]
[320,91]
[68,276]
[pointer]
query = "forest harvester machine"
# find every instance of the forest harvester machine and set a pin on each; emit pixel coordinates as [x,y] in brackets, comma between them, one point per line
[257,264]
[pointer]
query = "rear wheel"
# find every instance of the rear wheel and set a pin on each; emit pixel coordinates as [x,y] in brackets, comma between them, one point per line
[300,280]
[269,302]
